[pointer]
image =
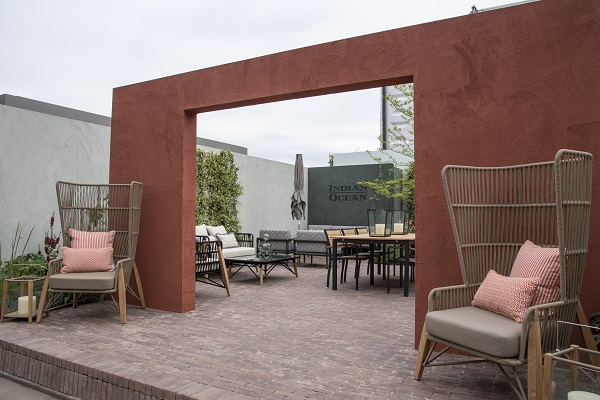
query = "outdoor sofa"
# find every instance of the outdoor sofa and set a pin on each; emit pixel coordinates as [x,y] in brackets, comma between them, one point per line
[233,244]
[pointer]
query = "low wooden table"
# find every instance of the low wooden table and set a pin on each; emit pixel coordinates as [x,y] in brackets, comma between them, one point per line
[264,266]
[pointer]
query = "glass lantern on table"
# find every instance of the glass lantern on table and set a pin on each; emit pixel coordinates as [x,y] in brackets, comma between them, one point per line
[400,222]
[380,222]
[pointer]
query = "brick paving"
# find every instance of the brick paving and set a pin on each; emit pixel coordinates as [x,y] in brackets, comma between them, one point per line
[293,338]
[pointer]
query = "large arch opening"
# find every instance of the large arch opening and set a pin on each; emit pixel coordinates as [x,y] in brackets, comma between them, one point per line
[486,97]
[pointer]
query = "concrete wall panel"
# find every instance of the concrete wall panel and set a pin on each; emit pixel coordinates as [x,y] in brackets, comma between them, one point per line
[38,150]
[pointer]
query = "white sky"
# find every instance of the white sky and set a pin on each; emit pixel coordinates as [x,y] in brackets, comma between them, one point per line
[73,53]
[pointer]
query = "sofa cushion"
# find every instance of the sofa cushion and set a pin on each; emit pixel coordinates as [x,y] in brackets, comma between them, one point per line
[506,295]
[83,281]
[311,236]
[228,240]
[201,230]
[83,239]
[280,239]
[87,260]
[542,262]
[213,230]
[276,234]
[239,251]
[476,329]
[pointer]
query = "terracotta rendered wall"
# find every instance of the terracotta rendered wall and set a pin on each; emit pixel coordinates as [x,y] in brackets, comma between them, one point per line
[502,87]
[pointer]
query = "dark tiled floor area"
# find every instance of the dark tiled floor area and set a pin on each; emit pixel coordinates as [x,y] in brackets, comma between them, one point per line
[292,338]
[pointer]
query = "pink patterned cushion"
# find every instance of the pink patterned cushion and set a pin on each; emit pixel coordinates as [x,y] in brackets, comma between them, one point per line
[91,240]
[505,295]
[542,262]
[87,260]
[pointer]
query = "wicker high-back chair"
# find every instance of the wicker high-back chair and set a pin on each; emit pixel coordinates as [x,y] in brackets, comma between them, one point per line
[97,208]
[493,211]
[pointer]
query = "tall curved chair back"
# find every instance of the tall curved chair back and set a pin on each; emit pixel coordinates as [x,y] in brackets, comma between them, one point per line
[98,208]
[493,212]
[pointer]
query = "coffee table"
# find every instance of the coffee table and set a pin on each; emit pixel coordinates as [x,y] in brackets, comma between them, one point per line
[261,265]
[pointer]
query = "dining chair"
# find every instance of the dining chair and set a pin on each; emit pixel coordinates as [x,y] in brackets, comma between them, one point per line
[342,253]
[359,254]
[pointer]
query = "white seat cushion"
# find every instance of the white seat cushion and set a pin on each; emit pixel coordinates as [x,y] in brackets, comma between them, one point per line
[476,329]
[239,251]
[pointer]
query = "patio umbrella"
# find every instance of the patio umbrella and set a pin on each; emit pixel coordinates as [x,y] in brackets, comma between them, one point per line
[298,202]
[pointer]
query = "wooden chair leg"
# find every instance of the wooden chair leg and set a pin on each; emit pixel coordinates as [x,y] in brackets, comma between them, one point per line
[122,296]
[424,345]
[534,362]
[588,337]
[548,370]
[42,303]
[138,283]
[224,272]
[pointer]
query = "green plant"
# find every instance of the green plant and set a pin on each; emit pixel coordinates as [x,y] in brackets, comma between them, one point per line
[595,322]
[96,215]
[217,189]
[30,264]
[401,141]
[331,159]
[51,242]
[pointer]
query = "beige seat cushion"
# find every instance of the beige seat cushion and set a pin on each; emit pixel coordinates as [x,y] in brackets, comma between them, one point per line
[476,329]
[239,251]
[83,281]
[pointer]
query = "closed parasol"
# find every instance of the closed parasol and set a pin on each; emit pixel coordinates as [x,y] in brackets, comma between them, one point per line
[298,202]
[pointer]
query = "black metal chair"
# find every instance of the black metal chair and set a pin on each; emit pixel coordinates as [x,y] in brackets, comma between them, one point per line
[209,261]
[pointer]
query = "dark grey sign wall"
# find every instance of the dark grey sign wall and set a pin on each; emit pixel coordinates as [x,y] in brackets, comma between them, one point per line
[336,198]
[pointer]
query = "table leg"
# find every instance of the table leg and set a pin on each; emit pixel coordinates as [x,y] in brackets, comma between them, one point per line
[406,266]
[386,262]
[261,274]
[334,266]
[30,297]
[295,267]
[372,277]
[4,291]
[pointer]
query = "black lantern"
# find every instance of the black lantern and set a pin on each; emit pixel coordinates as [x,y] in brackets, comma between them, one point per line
[400,222]
[380,222]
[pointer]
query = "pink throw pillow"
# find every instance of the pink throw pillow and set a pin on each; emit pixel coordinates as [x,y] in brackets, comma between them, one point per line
[505,295]
[91,240]
[541,262]
[87,260]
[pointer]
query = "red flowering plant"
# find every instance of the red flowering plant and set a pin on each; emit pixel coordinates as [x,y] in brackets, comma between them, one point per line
[51,242]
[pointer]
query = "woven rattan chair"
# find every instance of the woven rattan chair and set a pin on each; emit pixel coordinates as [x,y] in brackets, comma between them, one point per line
[493,211]
[97,208]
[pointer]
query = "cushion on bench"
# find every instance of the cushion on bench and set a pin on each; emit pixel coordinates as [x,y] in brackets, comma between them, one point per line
[279,239]
[238,252]
[311,242]
[476,329]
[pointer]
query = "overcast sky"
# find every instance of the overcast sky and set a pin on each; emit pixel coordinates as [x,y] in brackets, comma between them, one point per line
[73,53]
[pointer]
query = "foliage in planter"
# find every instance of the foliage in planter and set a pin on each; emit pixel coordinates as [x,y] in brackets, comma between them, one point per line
[595,322]
[217,190]
[30,264]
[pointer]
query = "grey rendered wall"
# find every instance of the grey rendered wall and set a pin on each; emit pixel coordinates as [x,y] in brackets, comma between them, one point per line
[268,187]
[36,150]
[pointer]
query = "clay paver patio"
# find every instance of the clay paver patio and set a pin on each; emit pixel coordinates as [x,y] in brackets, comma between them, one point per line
[292,338]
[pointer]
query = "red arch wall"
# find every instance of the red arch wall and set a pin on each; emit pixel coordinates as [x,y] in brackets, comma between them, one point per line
[495,88]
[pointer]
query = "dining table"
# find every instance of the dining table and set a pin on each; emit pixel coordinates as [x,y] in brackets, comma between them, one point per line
[396,240]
